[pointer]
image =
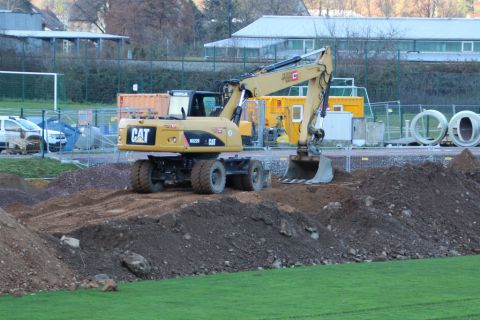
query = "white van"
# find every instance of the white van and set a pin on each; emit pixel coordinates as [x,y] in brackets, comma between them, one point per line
[15,128]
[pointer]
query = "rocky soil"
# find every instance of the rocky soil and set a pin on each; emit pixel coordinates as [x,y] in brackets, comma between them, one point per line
[405,212]
[27,261]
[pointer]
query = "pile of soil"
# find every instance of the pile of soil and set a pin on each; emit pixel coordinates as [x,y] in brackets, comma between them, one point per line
[26,262]
[207,237]
[377,214]
[14,189]
[465,162]
[106,176]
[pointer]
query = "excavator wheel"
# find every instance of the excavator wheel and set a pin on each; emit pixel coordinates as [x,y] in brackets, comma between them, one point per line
[253,181]
[208,176]
[141,177]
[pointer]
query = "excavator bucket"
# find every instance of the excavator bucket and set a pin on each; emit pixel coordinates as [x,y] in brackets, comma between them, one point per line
[308,170]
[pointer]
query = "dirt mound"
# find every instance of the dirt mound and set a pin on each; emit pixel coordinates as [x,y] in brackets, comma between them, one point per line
[207,237]
[11,181]
[426,210]
[105,176]
[14,189]
[26,262]
[15,196]
[465,162]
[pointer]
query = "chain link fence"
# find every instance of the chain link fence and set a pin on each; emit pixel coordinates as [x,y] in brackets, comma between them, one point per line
[89,137]
[90,77]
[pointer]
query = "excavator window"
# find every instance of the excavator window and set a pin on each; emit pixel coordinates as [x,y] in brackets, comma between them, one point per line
[206,104]
[198,108]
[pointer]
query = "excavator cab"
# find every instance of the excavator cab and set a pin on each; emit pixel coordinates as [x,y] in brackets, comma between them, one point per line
[194,103]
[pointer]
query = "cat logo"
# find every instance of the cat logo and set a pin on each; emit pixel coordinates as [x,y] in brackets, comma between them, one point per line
[140,135]
[290,76]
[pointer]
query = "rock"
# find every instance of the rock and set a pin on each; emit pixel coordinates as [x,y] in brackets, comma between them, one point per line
[352,251]
[286,228]
[18,292]
[187,236]
[277,264]
[102,278]
[136,263]
[69,241]
[333,206]
[109,286]
[313,233]
[454,253]
[369,201]
[407,212]
[89,284]
[382,257]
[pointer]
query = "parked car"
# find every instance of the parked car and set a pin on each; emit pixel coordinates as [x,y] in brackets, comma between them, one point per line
[72,133]
[14,129]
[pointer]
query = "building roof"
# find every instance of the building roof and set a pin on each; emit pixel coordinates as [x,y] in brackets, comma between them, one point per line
[49,19]
[248,43]
[305,27]
[59,35]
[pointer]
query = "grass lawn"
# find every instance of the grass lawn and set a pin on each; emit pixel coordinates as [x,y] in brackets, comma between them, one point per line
[48,105]
[34,167]
[417,289]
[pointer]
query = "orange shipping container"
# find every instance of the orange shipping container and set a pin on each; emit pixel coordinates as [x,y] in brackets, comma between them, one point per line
[148,104]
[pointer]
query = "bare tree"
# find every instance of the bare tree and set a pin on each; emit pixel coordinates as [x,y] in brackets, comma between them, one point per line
[16,5]
[152,22]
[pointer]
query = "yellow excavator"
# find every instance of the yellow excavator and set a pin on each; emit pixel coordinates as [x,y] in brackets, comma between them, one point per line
[201,125]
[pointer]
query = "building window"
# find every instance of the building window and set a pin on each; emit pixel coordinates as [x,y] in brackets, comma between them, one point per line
[467,46]
[295,44]
[308,44]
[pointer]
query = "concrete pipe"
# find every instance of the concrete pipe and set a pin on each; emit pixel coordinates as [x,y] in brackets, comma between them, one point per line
[464,129]
[442,125]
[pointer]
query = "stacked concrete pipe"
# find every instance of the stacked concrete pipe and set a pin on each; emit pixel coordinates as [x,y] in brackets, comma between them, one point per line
[442,122]
[464,129]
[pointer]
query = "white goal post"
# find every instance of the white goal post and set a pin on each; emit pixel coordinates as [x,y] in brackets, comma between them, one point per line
[55,82]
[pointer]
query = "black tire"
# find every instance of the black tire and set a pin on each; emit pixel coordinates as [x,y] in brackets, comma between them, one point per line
[208,177]
[253,181]
[141,177]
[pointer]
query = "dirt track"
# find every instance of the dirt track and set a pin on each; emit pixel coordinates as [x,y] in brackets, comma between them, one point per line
[377,214]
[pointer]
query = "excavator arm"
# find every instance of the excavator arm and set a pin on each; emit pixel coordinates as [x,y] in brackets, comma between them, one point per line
[307,166]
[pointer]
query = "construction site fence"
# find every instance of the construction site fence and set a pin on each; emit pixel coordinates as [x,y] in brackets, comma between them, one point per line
[92,133]
[88,76]
[346,159]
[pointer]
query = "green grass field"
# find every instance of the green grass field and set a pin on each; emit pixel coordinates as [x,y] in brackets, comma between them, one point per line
[48,105]
[416,289]
[34,167]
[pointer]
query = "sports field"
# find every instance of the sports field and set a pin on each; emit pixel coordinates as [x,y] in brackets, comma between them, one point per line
[417,289]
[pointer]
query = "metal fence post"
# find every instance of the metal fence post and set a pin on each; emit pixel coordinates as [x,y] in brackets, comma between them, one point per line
[151,70]
[366,69]
[182,76]
[214,59]
[85,73]
[387,117]
[118,68]
[23,69]
[398,75]
[335,58]
[400,115]
[42,144]
[244,59]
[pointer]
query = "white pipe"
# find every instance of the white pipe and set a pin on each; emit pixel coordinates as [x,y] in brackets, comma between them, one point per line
[442,124]
[464,129]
